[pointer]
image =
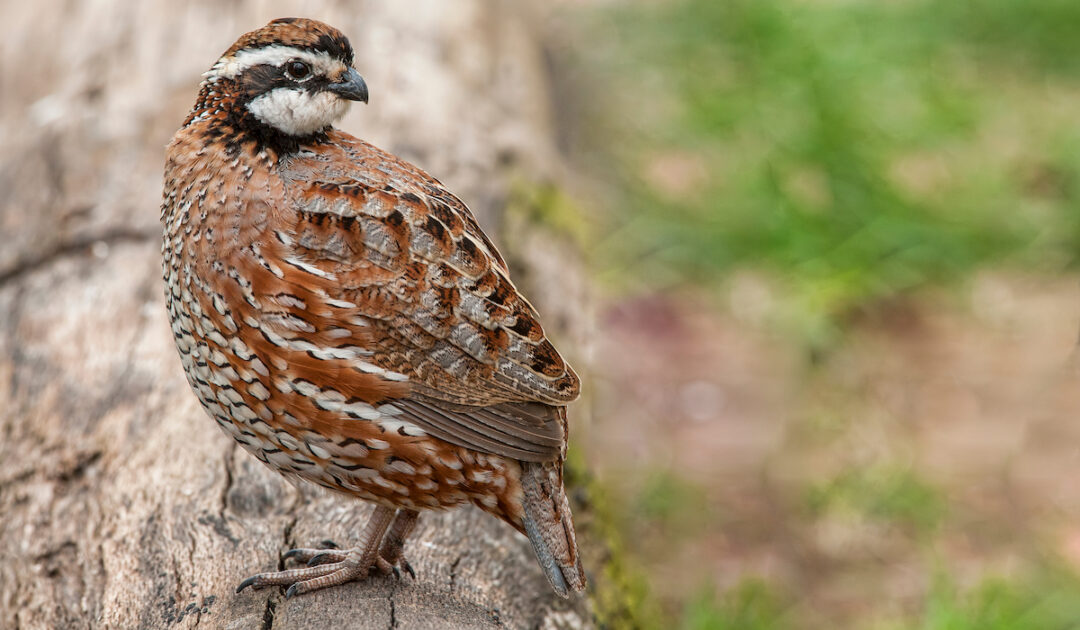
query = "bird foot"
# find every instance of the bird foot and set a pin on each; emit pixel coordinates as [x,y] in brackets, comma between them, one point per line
[330,567]
[353,565]
[325,568]
[384,539]
[388,562]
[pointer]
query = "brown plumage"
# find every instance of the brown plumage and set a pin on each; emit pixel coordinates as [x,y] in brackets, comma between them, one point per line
[344,318]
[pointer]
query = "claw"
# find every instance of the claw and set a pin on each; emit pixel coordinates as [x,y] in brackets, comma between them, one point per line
[246,583]
[318,559]
[328,544]
[383,566]
[292,553]
[408,567]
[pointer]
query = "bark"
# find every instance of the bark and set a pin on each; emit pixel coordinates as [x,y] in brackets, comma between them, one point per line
[121,504]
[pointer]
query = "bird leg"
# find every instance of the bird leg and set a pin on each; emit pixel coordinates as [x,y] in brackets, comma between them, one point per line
[339,567]
[390,551]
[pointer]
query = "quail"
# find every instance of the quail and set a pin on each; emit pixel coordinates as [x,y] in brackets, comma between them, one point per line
[343,317]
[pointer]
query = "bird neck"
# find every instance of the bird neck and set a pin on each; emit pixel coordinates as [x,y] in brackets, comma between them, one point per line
[221,108]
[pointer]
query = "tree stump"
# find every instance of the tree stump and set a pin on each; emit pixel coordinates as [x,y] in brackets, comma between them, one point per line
[121,504]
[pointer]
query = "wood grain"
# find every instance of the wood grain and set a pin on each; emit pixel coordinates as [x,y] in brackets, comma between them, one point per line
[121,504]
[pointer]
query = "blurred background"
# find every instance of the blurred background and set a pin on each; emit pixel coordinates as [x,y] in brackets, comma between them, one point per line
[831,294]
[835,247]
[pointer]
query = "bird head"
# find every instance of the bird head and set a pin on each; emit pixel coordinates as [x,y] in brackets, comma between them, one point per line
[293,75]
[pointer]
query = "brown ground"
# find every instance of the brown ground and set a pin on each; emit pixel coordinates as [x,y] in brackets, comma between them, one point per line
[969,397]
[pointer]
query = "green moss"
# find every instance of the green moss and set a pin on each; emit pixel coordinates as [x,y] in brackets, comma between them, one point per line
[619,592]
[545,203]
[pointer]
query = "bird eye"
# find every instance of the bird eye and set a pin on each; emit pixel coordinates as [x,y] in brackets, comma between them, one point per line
[297,69]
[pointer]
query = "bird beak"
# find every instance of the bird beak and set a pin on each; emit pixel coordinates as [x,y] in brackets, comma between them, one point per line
[351,86]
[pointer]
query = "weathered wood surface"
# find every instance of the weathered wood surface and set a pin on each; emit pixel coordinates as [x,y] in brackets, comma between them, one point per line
[121,504]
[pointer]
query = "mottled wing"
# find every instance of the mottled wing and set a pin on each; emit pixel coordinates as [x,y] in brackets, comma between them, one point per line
[431,298]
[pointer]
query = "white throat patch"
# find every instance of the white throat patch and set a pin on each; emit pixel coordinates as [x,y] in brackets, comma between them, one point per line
[297,112]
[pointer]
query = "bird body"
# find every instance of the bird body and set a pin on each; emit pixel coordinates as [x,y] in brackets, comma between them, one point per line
[343,317]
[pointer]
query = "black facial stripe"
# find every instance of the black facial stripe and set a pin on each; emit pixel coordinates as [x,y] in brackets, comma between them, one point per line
[260,79]
[263,78]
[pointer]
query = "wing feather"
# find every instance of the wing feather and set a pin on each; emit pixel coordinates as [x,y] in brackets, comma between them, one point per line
[436,298]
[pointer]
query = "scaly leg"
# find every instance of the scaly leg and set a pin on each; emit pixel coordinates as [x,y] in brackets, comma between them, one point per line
[390,551]
[393,543]
[349,565]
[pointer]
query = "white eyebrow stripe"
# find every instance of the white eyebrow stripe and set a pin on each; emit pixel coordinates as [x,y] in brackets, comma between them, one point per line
[276,55]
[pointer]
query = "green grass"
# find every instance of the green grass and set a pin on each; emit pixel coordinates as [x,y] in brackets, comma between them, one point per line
[677,507]
[853,149]
[751,605]
[888,494]
[1046,599]
[850,151]
[1049,600]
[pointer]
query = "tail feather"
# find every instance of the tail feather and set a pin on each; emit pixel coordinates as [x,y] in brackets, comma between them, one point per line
[550,526]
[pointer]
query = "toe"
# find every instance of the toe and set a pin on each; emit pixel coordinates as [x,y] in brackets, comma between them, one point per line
[384,567]
[299,554]
[323,558]
[314,556]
